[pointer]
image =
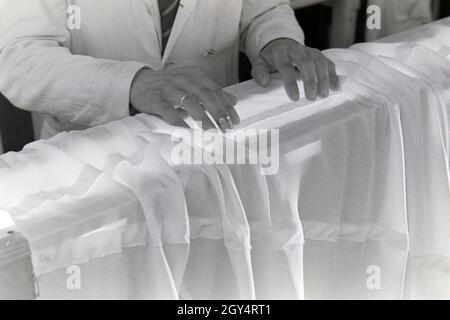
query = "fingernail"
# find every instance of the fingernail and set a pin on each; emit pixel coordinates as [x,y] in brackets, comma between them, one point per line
[294,96]
[324,93]
[225,123]
[230,122]
[311,96]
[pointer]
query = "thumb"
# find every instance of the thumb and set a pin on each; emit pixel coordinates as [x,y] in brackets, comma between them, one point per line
[261,71]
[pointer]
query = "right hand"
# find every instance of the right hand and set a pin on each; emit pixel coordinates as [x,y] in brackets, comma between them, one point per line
[160,92]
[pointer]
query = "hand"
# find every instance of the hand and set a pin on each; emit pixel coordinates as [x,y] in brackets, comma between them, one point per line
[160,92]
[289,57]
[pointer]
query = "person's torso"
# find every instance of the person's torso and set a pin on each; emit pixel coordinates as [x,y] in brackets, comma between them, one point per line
[205,34]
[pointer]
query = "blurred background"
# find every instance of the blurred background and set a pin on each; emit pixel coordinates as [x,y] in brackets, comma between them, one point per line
[327,24]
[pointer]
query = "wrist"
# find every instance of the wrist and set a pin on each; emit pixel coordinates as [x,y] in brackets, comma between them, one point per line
[135,88]
[280,41]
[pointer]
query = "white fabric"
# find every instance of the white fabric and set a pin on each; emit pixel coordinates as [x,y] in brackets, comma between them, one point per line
[81,76]
[363,177]
[16,272]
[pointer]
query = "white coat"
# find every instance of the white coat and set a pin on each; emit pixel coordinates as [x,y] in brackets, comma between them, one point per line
[75,60]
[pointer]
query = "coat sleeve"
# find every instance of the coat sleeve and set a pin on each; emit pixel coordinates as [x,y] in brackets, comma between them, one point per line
[39,73]
[265,21]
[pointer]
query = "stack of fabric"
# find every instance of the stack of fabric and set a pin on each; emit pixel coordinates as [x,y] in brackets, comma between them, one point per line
[363,176]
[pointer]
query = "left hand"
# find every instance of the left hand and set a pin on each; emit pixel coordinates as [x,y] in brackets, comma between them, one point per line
[288,58]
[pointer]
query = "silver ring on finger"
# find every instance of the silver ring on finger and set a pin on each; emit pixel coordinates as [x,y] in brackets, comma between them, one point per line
[183,98]
[226,121]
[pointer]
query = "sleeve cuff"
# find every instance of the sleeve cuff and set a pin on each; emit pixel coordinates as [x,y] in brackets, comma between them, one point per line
[113,102]
[120,91]
[279,22]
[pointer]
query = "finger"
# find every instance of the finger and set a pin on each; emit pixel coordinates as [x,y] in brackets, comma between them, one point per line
[212,97]
[261,72]
[215,103]
[187,101]
[289,77]
[332,74]
[217,106]
[232,100]
[285,66]
[309,77]
[194,108]
[234,115]
[323,81]
[220,102]
[191,106]
[169,114]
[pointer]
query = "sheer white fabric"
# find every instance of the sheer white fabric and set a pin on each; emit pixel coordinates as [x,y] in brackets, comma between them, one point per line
[363,177]
[16,276]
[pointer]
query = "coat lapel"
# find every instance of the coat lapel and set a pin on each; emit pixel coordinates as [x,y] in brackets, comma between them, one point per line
[183,14]
[153,8]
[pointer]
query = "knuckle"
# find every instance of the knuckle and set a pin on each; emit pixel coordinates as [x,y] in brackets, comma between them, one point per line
[205,92]
[166,91]
[306,61]
[322,60]
[286,66]
[310,83]
[221,114]
[315,52]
